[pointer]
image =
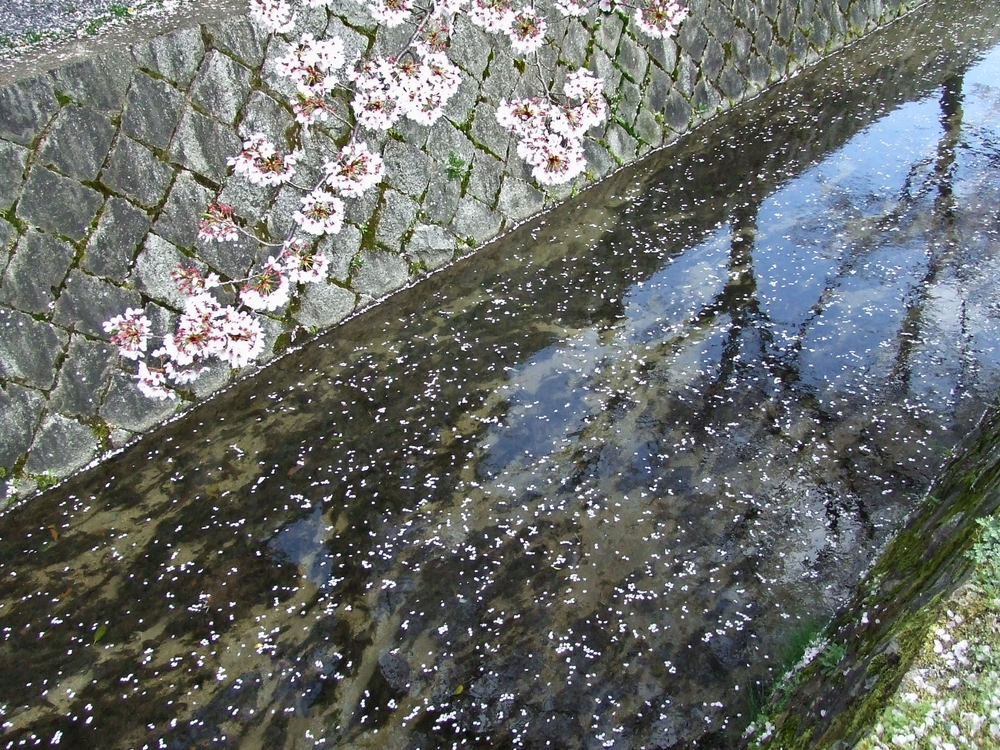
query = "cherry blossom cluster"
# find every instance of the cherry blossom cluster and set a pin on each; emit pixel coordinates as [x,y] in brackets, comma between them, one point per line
[416,83]
[550,136]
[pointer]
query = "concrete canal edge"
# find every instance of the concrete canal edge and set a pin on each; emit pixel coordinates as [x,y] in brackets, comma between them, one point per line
[921,576]
[107,161]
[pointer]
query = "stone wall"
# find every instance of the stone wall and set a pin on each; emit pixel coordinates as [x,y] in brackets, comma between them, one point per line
[106,163]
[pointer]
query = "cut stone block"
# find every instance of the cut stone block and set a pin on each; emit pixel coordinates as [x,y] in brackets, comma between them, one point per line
[20,410]
[433,246]
[12,161]
[323,305]
[240,38]
[379,274]
[339,250]
[519,199]
[61,447]
[222,86]
[114,243]
[203,145]
[26,108]
[87,301]
[78,142]
[396,217]
[179,217]
[475,221]
[83,376]
[29,348]
[126,408]
[35,272]
[175,56]
[58,204]
[99,82]
[135,172]
[263,114]
[152,109]
[153,267]
[407,168]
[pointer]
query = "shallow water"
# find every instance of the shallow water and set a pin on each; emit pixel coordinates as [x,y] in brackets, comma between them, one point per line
[579,490]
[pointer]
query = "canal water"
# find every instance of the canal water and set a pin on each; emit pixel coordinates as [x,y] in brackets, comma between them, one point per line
[579,490]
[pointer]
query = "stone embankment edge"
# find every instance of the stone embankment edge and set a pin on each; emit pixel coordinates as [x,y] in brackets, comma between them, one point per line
[106,163]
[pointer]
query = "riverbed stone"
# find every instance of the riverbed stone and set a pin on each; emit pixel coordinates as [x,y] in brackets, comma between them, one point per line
[58,204]
[175,56]
[179,218]
[61,446]
[83,376]
[26,108]
[203,145]
[381,272]
[78,142]
[29,348]
[13,159]
[152,109]
[35,272]
[87,301]
[323,305]
[134,172]
[20,410]
[113,244]
[222,86]
[125,407]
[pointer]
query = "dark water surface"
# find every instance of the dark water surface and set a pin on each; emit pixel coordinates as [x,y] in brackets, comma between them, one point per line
[577,491]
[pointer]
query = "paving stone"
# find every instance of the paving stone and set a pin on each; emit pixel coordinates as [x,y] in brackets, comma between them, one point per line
[484,179]
[263,114]
[152,109]
[240,38]
[20,411]
[25,108]
[519,199]
[78,142]
[135,172]
[87,301]
[380,273]
[222,86]
[179,218]
[395,218]
[29,349]
[35,272]
[175,56]
[474,220]
[339,250]
[126,408]
[99,82]
[432,246]
[152,271]
[113,245]
[323,305]
[83,377]
[13,159]
[61,447]
[58,204]
[203,145]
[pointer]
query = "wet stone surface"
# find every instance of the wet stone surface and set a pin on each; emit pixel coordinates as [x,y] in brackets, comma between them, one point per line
[578,492]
